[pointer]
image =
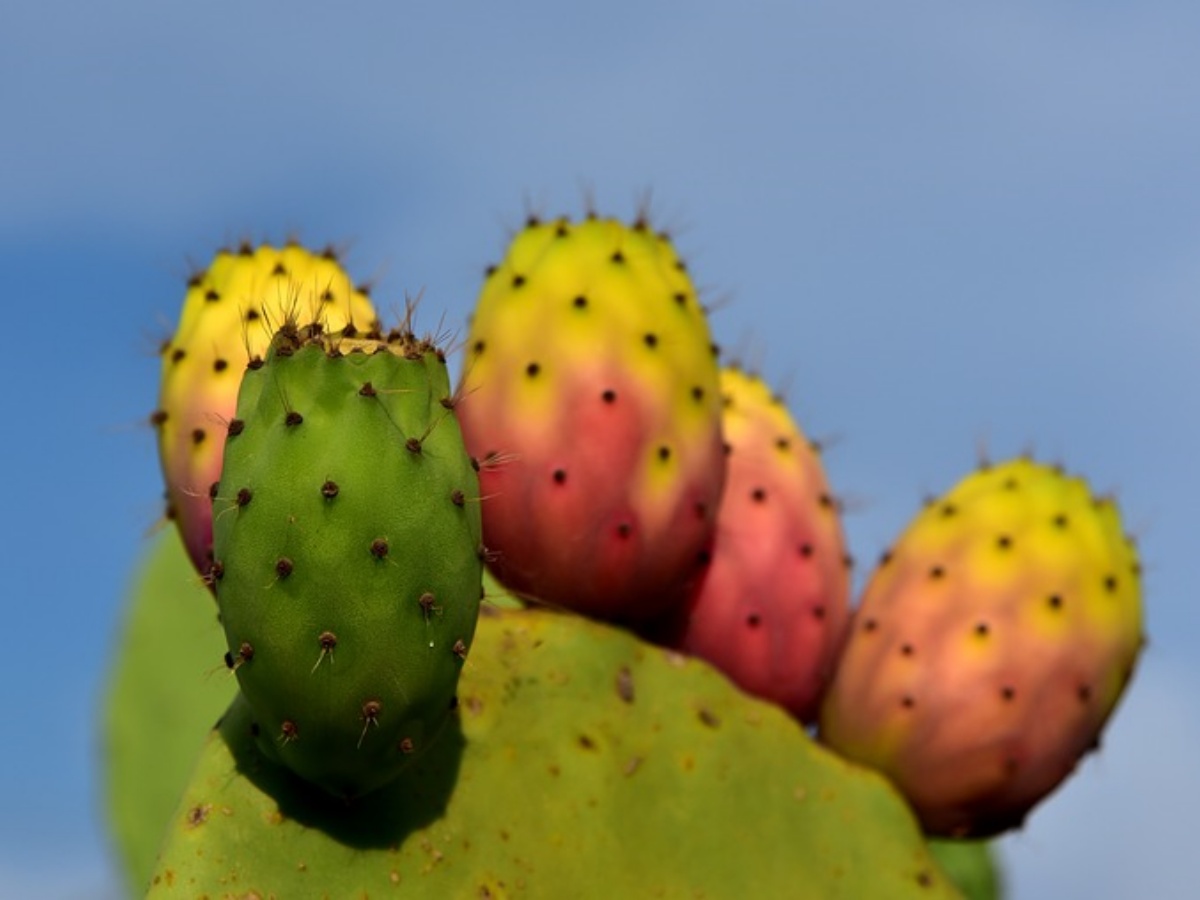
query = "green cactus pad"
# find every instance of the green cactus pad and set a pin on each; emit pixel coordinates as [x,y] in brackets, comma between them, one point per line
[582,763]
[166,690]
[971,865]
[347,554]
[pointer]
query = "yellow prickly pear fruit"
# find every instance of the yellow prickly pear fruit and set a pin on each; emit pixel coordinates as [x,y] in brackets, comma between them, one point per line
[230,313]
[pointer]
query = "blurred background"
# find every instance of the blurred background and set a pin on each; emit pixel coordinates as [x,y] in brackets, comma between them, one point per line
[942,226]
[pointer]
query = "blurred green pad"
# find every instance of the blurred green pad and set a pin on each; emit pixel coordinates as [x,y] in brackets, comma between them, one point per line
[971,865]
[167,687]
[583,763]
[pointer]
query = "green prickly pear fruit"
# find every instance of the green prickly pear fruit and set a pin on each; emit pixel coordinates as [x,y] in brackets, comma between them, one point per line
[347,553]
[773,605]
[230,312]
[992,644]
[590,399]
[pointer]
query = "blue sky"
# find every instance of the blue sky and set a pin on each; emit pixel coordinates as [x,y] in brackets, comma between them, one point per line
[945,225]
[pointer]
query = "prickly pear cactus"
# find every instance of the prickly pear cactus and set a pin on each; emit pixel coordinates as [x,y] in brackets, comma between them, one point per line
[590,399]
[347,553]
[583,763]
[990,647]
[773,604]
[230,312]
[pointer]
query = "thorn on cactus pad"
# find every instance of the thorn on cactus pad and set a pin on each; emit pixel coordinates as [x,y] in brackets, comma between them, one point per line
[379,548]
[158,418]
[255,363]
[459,649]
[198,436]
[370,716]
[329,489]
[244,496]
[532,370]
[178,354]
[650,339]
[284,567]
[292,419]
[428,605]
[253,315]
[406,746]
[326,640]
[213,490]
[580,302]
[518,281]
[288,732]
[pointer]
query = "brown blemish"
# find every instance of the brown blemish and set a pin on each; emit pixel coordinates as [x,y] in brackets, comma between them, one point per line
[624,683]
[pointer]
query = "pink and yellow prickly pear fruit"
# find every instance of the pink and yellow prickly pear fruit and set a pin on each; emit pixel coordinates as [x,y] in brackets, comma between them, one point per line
[230,313]
[772,608]
[590,400]
[990,648]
